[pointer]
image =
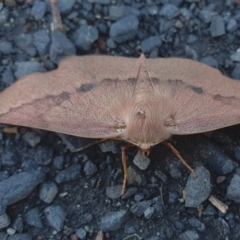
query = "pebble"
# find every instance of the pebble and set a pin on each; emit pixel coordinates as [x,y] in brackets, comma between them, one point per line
[189,235]
[232,25]
[41,42]
[139,208]
[58,162]
[7,76]
[233,190]
[210,61]
[33,218]
[114,192]
[5,220]
[198,225]
[38,9]
[68,174]
[4,13]
[169,11]
[217,27]
[116,12]
[19,186]
[17,225]
[31,138]
[43,155]
[110,43]
[25,42]
[109,146]
[25,68]
[135,176]
[55,216]
[48,191]
[198,188]
[85,36]
[10,157]
[65,6]
[237,153]
[150,43]
[148,212]
[141,161]
[89,168]
[124,29]
[81,233]
[21,236]
[113,221]
[60,47]
[6,47]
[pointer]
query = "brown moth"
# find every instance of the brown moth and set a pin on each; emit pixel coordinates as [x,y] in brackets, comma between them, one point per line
[141,101]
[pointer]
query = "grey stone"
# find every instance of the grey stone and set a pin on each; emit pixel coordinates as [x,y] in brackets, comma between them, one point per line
[85,36]
[58,162]
[195,223]
[48,191]
[19,186]
[55,216]
[109,146]
[233,190]
[141,161]
[21,236]
[3,236]
[5,220]
[26,68]
[113,221]
[148,212]
[153,10]
[81,233]
[232,25]
[236,72]
[217,27]
[189,235]
[41,42]
[114,192]
[60,47]
[152,42]
[10,157]
[33,218]
[7,76]
[6,47]
[38,9]
[198,188]
[210,61]
[17,225]
[165,25]
[169,11]
[235,56]
[65,6]
[25,42]
[68,174]
[139,208]
[116,12]
[110,43]
[135,176]
[31,138]
[124,29]
[44,155]
[4,13]
[206,14]
[100,1]
[90,168]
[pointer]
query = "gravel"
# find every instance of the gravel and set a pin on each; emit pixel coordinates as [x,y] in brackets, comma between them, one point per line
[53,187]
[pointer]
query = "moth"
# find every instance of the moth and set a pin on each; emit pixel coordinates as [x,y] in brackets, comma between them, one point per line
[141,101]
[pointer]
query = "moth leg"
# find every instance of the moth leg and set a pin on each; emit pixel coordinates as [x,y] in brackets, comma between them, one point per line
[175,151]
[124,163]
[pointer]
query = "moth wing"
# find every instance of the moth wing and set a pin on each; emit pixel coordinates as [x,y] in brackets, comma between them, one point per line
[204,99]
[86,96]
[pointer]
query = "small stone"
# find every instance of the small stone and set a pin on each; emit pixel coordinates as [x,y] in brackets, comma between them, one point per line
[233,191]
[139,208]
[189,235]
[198,188]
[10,157]
[113,221]
[68,174]
[109,146]
[111,44]
[217,27]
[237,153]
[148,212]
[18,224]
[41,42]
[6,47]
[232,25]
[169,11]
[81,233]
[5,220]
[116,12]
[55,216]
[58,162]
[4,13]
[38,9]
[7,76]
[60,47]
[25,68]
[150,43]
[141,161]
[114,192]
[48,191]
[210,61]
[135,176]
[124,29]
[85,36]
[33,218]
[32,138]
[90,168]
[25,42]
[44,155]
[195,223]
[65,6]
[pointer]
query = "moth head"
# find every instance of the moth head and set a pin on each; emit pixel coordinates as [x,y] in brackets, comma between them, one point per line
[146,126]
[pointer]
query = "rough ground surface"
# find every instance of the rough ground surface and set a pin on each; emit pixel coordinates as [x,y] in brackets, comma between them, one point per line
[49,192]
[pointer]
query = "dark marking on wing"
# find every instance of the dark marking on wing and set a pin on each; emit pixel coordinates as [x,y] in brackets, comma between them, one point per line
[131,81]
[85,87]
[175,82]
[226,100]
[197,90]
[155,80]
[58,99]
